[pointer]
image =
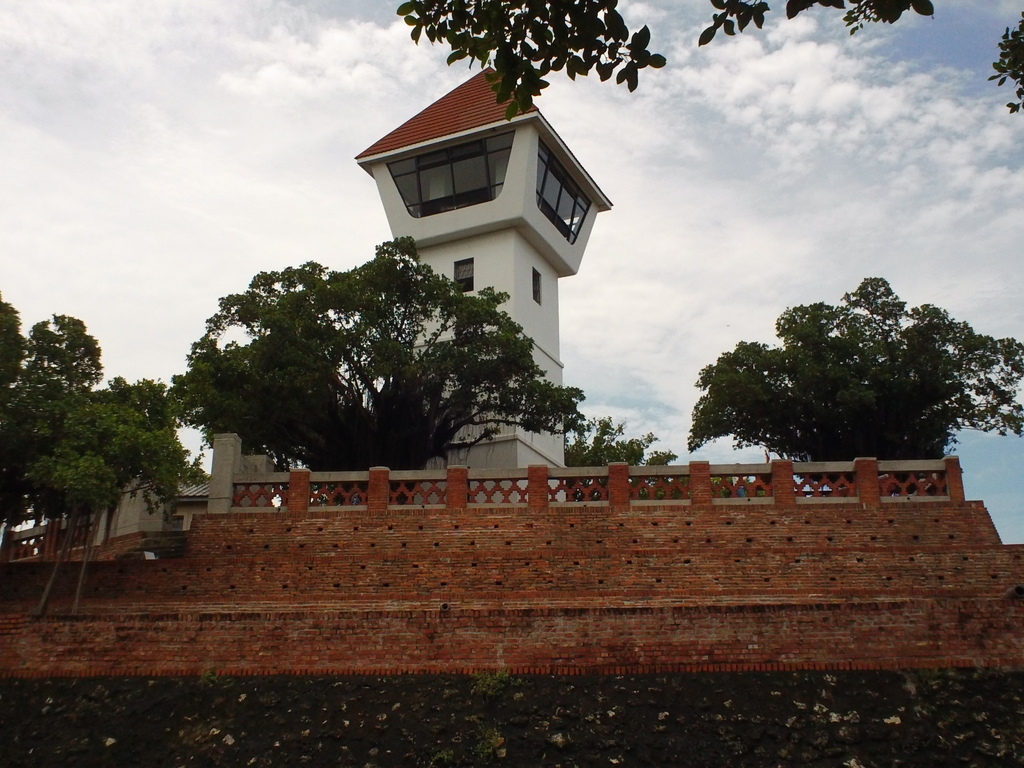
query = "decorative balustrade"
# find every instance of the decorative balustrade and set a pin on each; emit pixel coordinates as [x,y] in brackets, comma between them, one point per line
[743,481]
[578,484]
[260,491]
[417,489]
[26,544]
[864,481]
[903,479]
[339,489]
[666,483]
[824,480]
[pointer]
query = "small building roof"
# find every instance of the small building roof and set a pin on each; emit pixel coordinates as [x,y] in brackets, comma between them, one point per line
[198,491]
[472,105]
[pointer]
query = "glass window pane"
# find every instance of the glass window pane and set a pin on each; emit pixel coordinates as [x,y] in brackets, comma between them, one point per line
[402,166]
[499,164]
[551,190]
[500,142]
[408,188]
[463,274]
[470,174]
[565,204]
[432,159]
[579,212]
[436,182]
[467,150]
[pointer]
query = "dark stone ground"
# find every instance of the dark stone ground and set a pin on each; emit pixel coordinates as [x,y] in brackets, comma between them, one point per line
[851,719]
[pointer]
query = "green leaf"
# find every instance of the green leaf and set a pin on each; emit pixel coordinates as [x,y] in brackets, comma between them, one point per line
[923,7]
[707,35]
[640,40]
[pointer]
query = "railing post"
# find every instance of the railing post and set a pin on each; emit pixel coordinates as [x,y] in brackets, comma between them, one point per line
[866,473]
[700,482]
[537,486]
[379,489]
[618,484]
[782,482]
[227,461]
[456,493]
[954,478]
[298,491]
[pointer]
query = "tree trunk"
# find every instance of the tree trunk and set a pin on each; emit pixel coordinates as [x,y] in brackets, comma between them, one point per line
[90,526]
[65,547]
[5,542]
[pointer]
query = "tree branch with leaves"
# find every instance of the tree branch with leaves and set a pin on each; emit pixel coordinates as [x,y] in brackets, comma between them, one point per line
[526,40]
[598,442]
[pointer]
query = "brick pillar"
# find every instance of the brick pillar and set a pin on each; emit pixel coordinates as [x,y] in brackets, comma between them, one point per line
[618,484]
[537,486]
[954,479]
[51,541]
[782,482]
[298,491]
[379,490]
[866,473]
[700,482]
[457,491]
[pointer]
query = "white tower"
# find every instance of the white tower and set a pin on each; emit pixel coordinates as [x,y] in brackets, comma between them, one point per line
[492,202]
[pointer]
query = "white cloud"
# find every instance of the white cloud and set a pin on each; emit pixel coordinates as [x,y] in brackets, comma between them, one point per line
[157,155]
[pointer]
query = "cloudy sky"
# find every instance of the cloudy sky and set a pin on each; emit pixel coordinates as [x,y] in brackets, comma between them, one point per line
[156,155]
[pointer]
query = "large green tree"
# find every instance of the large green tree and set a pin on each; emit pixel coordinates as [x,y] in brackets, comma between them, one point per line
[598,442]
[66,442]
[47,376]
[70,449]
[526,40]
[868,377]
[386,364]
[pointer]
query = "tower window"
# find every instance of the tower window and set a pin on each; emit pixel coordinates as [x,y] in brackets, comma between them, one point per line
[464,274]
[454,177]
[558,196]
[536,286]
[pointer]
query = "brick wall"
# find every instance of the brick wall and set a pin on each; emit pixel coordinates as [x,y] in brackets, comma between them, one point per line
[573,587]
[866,635]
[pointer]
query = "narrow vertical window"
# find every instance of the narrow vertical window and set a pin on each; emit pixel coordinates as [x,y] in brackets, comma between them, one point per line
[464,274]
[536,286]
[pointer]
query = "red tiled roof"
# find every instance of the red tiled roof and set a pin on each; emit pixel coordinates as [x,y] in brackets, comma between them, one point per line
[469,106]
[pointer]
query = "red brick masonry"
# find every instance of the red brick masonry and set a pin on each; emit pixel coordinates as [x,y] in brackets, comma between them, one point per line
[571,588]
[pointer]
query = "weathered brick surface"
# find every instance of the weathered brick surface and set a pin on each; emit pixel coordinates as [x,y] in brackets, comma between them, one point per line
[880,634]
[567,588]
